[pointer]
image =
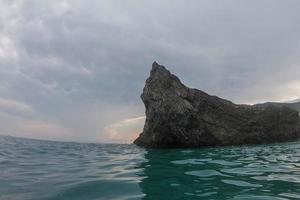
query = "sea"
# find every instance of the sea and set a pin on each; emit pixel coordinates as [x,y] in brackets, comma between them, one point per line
[38,170]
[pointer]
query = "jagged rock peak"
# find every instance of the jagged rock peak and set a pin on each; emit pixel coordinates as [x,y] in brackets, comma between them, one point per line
[178,116]
[160,72]
[156,66]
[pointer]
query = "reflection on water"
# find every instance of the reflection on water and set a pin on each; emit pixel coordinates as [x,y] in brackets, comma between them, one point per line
[253,172]
[38,170]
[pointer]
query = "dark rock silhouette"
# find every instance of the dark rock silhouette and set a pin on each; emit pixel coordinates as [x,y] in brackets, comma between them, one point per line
[178,116]
[294,106]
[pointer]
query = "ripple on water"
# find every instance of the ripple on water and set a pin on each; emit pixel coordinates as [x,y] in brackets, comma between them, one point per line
[205,173]
[240,183]
[291,195]
[224,162]
[257,197]
[188,161]
[279,177]
[242,171]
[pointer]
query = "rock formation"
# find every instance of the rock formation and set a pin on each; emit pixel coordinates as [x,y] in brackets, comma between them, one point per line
[178,116]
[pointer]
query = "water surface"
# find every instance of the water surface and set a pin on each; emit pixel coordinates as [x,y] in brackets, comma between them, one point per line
[37,170]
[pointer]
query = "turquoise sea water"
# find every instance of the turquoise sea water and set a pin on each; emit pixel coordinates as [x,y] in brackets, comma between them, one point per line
[37,170]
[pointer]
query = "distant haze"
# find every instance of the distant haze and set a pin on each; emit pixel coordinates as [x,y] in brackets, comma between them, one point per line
[74,70]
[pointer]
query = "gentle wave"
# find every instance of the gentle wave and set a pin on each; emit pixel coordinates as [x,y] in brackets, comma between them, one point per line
[33,169]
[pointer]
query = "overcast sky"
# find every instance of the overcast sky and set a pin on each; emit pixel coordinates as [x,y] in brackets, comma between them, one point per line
[74,69]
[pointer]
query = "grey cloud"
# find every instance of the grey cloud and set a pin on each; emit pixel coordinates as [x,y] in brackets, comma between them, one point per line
[15,107]
[81,65]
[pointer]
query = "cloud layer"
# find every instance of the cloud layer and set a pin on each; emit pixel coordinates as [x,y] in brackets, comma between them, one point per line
[74,70]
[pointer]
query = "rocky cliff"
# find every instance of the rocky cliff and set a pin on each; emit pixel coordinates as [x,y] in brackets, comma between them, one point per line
[178,116]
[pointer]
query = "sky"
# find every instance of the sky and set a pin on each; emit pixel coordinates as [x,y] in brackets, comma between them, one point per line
[73,70]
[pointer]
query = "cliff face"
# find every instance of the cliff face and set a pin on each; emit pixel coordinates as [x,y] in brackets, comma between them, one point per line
[178,116]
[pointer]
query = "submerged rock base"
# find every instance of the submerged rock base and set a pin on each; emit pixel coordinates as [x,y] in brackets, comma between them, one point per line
[178,116]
